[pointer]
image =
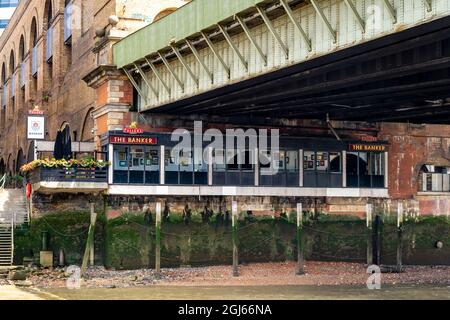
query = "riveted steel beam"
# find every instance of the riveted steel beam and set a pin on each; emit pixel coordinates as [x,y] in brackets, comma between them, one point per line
[158,76]
[135,85]
[171,71]
[428,5]
[391,10]
[216,53]
[324,19]
[299,27]
[200,60]
[233,46]
[272,30]
[185,65]
[252,40]
[354,11]
[146,80]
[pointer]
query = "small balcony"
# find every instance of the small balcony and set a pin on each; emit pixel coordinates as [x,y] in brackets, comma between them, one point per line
[34,64]
[4,96]
[23,71]
[68,22]
[13,86]
[49,45]
[69,180]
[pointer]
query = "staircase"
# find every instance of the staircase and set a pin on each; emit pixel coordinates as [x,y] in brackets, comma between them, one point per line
[6,245]
[13,213]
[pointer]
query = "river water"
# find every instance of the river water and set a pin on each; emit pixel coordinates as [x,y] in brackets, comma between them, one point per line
[414,292]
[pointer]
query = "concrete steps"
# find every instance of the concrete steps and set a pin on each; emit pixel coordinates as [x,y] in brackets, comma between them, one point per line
[6,246]
[13,213]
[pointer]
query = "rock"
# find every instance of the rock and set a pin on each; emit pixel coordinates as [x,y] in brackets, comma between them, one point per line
[19,275]
[25,283]
[111,286]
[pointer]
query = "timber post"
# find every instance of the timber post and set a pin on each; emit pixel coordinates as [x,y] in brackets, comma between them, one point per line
[369,223]
[234,222]
[158,239]
[399,237]
[90,241]
[300,256]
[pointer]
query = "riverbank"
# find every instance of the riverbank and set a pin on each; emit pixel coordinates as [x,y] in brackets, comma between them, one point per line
[257,274]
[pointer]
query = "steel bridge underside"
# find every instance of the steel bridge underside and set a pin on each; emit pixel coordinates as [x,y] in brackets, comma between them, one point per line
[402,77]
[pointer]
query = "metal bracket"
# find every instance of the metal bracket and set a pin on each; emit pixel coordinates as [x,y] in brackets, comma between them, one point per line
[330,126]
[273,31]
[202,63]
[185,65]
[146,80]
[359,19]
[252,41]
[158,75]
[233,46]
[216,54]
[135,85]
[290,14]
[391,10]
[428,5]
[172,72]
[324,20]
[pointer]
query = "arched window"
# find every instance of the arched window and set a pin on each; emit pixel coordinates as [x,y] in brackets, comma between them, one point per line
[33,38]
[12,68]
[4,89]
[164,13]
[49,36]
[22,63]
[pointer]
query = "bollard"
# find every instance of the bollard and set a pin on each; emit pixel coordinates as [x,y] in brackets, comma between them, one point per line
[234,221]
[158,239]
[300,256]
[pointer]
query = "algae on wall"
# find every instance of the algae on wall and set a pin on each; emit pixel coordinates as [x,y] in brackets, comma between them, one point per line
[67,231]
[128,242]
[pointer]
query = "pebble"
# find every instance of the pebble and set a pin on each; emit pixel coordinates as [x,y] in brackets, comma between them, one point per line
[281,273]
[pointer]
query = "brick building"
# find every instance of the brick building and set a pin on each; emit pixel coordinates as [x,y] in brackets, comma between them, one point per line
[83,77]
[47,48]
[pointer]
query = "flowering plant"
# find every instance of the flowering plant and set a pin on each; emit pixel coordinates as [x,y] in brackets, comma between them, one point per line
[67,164]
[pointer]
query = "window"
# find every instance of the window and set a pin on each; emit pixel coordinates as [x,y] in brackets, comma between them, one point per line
[434,179]
[365,169]
[136,165]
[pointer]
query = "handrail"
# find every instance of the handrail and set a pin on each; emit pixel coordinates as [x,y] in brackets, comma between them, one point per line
[3,182]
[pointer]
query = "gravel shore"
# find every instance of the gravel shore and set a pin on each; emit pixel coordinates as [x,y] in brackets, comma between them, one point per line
[317,274]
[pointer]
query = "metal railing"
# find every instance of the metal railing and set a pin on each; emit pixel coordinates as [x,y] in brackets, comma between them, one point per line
[4,95]
[49,44]
[3,182]
[34,64]
[70,175]
[23,71]
[13,85]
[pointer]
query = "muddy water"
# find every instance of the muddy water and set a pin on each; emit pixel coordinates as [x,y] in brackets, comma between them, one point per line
[257,292]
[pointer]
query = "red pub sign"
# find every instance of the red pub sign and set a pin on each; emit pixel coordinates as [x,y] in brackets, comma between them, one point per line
[133,140]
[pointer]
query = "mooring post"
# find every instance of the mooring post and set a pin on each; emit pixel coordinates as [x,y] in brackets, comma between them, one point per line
[158,239]
[300,257]
[90,241]
[399,237]
[234,216]
[91,245]
[369,223]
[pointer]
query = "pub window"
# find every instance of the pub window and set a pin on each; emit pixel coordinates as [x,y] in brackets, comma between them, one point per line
[136,165]
[365,169]
[434,178]
[322,169]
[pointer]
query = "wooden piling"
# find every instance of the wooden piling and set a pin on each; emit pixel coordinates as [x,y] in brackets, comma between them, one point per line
[89,242]
[300,256]
[369,223]
[158,239]
[234,222]
[400,237]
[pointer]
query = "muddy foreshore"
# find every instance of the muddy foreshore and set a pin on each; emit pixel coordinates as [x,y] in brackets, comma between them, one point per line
[316,274]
